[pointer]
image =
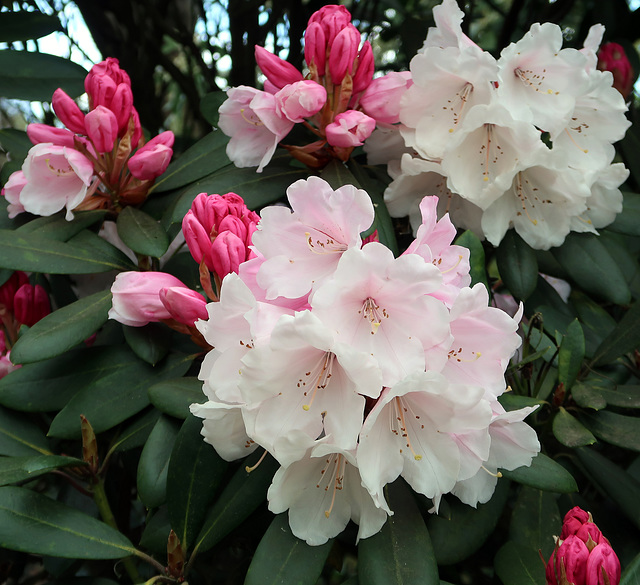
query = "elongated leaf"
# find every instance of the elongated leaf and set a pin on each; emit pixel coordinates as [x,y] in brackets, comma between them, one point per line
[623,339]
[154,462]
[570,431]
[137,433]
[598,397]
[588,396]
[242,495]
[115,397]
[142,233]
[401,552]
[58,228]
[590,265]
[100,248]
[14,469]
[35,253]
[33,523]
[23,26]
[478,270]
[174,396]
[210,104]
[512,401]
[544,474]
[19,436]
[596,322]
[519,565]
[283,558]
[617,429]
[195,471]
[156,532]
[204,158]
[465,529]
[535,520]
[150,343]
[63,329]
[517,265]
[613,481]
[631,575]
[571,354]
[16,142]
[35,76]
[628,221]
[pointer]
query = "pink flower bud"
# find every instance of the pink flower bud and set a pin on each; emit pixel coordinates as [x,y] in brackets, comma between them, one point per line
[366,66]
[197,238]
[315,47]
[184,305]
[6,367]
[300,100]
[30,304]
[611,57]
[153,158]
[137,128]
[603,561]
[568,561]
[277,71]
[101,91]
[11,192]
[110,67]
[10,287]
[68,111]
[573,520]
[381,100]
[121,106]
[332,19]
[590,534]
[102,128]
[351,128]
[39,133]
[136,297]
[226,254]
[343,52]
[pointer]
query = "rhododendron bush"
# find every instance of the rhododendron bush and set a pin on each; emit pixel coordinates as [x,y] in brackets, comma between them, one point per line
[379,325]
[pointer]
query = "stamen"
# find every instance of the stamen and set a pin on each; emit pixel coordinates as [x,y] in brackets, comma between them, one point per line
[57,171]
[498,475]
[322,377]
[324,246]
[578,129]
[398,420]
[253,121]
[491,151]
[534,80]
[336,477]
[454,266]
[454,353]
[254,467]
[371,311]
[520,193]
[461,97]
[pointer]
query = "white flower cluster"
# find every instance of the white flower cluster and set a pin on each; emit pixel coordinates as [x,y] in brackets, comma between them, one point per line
[352,367]
[524,141]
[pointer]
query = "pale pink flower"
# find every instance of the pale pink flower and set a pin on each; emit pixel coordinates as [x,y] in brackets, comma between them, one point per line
[349,129]
[381,99]
[300,100]
[11,192]
[184,305]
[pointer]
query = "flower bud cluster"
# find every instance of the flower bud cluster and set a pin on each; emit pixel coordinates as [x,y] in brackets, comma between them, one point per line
[21,303]
[583,555]
[93,162]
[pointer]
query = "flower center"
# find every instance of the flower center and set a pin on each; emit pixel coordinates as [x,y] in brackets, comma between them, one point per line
[456,354]
[533,80]
[371,311]
[321,374]
[490,150]
[59,172]
[332,475]
[322,243]
[252,118]
[457,104]
[398,423]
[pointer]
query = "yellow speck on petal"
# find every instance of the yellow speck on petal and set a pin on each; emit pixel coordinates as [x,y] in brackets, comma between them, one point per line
[327,513]
[417,457]
[450,129]
[485,179]
[306,407]
[549,91]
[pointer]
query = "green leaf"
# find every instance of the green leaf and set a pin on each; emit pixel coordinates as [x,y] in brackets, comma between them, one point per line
[588,396]
[154,462]
[282,558]
[623,396]
[401,552]
[19,436]
[116,396]
[35,76]
[628,221]
[36,253]
[136,434]
[616,429]
[24,26]
[142,233]
[623,339]
[570,431]
[244,493]
[544,474]
[210,104]
[33,523]
[465,529]
[613,481]
[571,354]
[175,396]
[156,533]
[590,265]
[596,322]
[150,343]
[512,401]
[477,261]
[195,472]
[15,142]
[58,228]
[535,520]
[201,160]
[63,329]
[631,575]
[14,469]
[519,565]
[100,248]
[517,265]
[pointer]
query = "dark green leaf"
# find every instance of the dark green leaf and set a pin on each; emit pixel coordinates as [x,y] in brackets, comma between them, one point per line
[478,270]
[14,469]
[154,462]
[283,558]
[623,396]
[544,474]
[240,498]
[142,233]
[512,401]
[631,575]
[590,265]
[174,396]
[535,520]
[623,339]
[617,429]
[156,532]
[195,472]
[570,431]
[517,265]
[519,565]
[628,221]
[210,104]
[58,228]
[117,396]
[33,523]
[571,354]
[596,322]
[35,76]
[588,396]
[465,529]
[23,25]
[16,142]
[136,434]
[613,481]
[19,436]
[150,343]
[100,248]
[401,552]
[204,158]
[62,329]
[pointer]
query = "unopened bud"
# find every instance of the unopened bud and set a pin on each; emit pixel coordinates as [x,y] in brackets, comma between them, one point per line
[184,305]
[68,111]
[30,304]
[315,47]
[277,71]
[300,100]
[349,129]
[121,106]
[366,66]
[175,556]
[39,133]
[611,57]
[343,52]
[101,128]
